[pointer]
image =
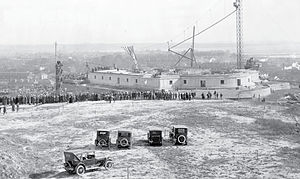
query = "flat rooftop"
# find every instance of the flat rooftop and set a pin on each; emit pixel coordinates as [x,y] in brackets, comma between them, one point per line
[119,71]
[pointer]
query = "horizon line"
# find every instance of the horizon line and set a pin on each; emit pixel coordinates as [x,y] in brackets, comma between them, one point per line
[141,43]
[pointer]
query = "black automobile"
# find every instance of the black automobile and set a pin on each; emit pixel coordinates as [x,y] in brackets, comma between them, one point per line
[124,139]
[103,138]
[178,134]
[155,137]
[80,162]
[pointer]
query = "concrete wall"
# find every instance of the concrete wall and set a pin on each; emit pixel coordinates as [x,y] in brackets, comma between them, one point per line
[169,82]
[174,81]
[214,81]
[236,93]
[254,76]
[279,86]
[152,83]
[255,93]
[112,79]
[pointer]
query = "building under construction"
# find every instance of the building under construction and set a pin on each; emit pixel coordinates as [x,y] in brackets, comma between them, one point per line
[237,82]
[183,80]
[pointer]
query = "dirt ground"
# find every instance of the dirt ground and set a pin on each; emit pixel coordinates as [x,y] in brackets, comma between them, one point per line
[227,139]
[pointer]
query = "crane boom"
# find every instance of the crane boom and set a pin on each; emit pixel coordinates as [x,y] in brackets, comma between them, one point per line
[130,51]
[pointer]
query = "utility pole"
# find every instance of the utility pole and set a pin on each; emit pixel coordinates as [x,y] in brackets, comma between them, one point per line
[58,77]
[239,32]
[193,47]
[58,72]
[87,69]
[55,50]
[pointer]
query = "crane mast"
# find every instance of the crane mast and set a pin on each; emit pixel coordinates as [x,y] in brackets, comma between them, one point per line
[239,33]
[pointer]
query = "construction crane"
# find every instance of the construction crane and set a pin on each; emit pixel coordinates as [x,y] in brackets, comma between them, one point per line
[239,33]
[130,51]
[238,10]
[191,50]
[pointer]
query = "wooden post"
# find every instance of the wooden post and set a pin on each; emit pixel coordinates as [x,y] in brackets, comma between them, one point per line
[127,173]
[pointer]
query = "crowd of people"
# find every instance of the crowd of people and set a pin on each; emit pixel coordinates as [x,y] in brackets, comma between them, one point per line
[44,98]
[68,97]
[209,95]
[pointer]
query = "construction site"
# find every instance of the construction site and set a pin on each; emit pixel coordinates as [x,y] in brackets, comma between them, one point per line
[241,82]
[241,123]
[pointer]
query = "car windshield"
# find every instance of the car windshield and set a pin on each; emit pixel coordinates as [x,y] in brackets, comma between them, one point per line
[102,133]
[124,134]
[70,157]
[155,132]
[181,130]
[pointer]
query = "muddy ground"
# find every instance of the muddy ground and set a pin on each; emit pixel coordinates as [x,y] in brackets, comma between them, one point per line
[227,139]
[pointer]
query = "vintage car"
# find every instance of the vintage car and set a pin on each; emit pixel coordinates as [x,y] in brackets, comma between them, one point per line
[103,138]
[155,136]
[79,162]
[124,139]
[178,134]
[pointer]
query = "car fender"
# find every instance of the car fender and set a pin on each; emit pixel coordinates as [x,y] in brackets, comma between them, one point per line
[108,159]
[81,163]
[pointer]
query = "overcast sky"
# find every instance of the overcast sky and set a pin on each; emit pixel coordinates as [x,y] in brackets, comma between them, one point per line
[144,21]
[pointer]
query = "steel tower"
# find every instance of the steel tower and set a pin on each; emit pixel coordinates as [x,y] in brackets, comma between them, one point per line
[239,33]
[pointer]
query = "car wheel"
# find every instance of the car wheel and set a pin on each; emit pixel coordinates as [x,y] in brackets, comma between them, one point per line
[80,170]
[181,139]
[102,142]
[108,165]
[124,142]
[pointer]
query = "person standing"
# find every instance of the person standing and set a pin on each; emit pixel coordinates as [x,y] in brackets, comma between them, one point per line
[18,106]
[13,106]
[109,98]
[4,110]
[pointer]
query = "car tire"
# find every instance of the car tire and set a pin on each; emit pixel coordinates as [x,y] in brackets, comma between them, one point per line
[102,142]
[181,139]
[124,142]
[70,171]
[80,170]
[108,165]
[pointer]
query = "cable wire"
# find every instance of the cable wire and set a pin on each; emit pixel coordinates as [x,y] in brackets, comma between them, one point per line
[204,29]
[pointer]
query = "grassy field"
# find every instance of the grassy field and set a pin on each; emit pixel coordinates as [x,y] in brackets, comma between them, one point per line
[227,139]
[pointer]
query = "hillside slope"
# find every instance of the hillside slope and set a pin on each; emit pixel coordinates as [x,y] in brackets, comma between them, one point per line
[226,139]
